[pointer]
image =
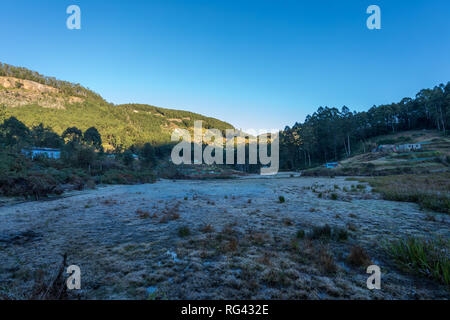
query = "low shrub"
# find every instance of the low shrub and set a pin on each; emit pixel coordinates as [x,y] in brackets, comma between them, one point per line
[184,231]
[426,257]
[300,234]
[327,262]
[358,257]
[327,233]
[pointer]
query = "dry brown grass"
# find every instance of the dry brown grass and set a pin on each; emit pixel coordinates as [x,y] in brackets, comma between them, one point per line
[143,214]
[231,245]
[228,230]
[207,228]
[170,214]
[359,257]
[326,261]
[109,202]
[265,259]
[258,238]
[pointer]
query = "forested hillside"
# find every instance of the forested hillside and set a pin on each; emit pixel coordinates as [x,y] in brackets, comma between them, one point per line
[72,105]
[331,134]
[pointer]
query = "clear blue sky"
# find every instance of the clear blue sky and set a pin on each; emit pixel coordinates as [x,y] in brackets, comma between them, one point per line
[256,64]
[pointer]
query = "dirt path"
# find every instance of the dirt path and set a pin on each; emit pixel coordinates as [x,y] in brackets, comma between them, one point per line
[240,241]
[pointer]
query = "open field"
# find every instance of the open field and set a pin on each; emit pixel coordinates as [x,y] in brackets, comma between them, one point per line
[246,238]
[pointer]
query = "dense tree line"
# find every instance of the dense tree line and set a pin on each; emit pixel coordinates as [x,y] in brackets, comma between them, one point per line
[15,136]
[330,134]
[83,163]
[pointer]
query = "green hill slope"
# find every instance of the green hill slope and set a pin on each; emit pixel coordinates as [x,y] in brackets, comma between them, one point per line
[34,99]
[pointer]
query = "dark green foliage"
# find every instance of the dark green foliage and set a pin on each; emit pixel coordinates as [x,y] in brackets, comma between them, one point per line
[84,156]
[184,231]
[92,137]
[72,134]
[340,234]
[124,176]
[13,131]
[300,234]
[327,233]
[128,158]
[45,137]
[323,232]
[148,153]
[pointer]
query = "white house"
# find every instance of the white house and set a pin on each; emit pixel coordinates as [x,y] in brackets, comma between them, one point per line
[409,147]
[45,152]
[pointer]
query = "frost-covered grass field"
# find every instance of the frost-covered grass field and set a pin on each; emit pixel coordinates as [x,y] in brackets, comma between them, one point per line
[282,237]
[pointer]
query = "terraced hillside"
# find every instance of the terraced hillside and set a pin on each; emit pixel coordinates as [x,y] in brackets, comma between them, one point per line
[433,156]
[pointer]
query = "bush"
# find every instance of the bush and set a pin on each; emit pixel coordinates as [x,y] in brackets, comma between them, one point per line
[323,232]
[327,262]
[326,233]
[358,257]
[340,234]
[300,234]
[429,258]
[36,185]
[128,158]
[184,231]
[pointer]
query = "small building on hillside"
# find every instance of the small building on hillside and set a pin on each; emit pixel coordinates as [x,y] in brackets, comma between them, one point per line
[35,152]
[331,165]
[409,147]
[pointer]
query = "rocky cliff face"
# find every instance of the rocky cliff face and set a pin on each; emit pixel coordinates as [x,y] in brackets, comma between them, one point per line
[18,92]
